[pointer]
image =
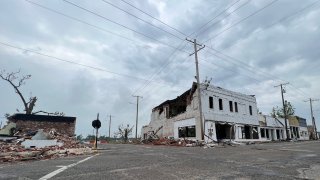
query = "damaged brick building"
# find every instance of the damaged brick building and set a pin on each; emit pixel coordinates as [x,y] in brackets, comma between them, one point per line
[28,122]
[226,115]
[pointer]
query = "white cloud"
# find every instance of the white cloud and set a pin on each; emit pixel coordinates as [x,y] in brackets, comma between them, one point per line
[287,51]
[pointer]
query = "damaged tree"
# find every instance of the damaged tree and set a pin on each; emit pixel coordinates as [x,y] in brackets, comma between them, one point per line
[124,132]
[16,82]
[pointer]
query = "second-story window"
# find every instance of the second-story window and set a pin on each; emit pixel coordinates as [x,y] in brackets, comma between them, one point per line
[250,110]
[235,107]
[210,102]
[220,104]
[231,106]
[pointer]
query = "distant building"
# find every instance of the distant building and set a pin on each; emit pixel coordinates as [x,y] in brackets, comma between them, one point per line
[303,128]
[272,128]
[28,122]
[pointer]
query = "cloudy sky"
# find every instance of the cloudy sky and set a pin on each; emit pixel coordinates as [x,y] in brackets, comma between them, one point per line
[91,56]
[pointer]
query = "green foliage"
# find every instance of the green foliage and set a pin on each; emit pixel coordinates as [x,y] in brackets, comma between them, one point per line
[278,112]
[80,137]
[90,137]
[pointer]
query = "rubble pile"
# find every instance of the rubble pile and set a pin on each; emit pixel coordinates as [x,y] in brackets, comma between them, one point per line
[34,145]
[190,143]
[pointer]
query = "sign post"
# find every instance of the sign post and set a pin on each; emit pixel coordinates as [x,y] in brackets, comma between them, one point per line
[96,124]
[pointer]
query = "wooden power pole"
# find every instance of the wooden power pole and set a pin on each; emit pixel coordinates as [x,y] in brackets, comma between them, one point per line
[284,108]
[312,117]
[195,44]
[137,114]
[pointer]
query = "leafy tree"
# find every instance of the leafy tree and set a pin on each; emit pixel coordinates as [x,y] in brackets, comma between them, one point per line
[124,132]
[104,138]
[90,137]
[80,137]
[290,110]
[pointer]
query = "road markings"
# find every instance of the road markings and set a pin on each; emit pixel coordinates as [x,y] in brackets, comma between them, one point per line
[297,150]
[63,168]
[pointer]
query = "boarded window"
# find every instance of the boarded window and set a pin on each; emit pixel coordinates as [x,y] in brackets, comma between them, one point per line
[210,102]
[220,104]
[235,107]
[250,110]
[187,131]
[231,106]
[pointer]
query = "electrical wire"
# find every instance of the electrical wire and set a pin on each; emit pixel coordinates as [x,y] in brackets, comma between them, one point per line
[206,29]
[121,25]
[247,17]
[76,63]
[81,21]
[187,36]
[175,29]
[117,7]
[285,18]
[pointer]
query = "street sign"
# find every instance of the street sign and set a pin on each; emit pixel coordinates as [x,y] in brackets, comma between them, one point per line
[96,123]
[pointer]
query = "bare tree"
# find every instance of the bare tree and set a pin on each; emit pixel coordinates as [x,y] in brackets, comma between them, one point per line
[124,132]
[16,82]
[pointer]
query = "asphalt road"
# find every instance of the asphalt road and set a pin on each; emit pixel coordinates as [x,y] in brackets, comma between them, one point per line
[290,160]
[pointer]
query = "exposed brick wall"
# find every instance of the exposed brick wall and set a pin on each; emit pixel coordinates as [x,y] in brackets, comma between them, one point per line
[63,125]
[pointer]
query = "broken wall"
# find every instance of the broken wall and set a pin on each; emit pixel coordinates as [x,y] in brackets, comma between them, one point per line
[26,123]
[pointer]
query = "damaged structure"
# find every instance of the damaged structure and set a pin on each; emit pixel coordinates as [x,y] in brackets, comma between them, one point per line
[226,115]
[26,123]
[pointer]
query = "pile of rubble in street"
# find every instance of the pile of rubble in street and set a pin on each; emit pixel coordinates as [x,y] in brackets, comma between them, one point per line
[42,144]
[153,139]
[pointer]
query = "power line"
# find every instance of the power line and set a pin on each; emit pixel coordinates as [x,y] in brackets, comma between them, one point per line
[229,69]
[114,22]
[202,31]
[285,18]
[165,65]
[75,63]
[244,65]
[250,68]
[81,21]
[158,72]
[153,17]
[117,7]
[247,17]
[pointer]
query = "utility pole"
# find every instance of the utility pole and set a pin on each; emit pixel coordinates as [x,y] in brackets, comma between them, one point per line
[137,114]
[110,124]
[284,108]
[312,116]
[195,44]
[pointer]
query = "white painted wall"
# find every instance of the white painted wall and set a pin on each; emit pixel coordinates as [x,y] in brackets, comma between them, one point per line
[182,123]
[210,130]
[225,115]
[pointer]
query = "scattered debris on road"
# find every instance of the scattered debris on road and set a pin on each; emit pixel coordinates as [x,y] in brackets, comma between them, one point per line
[42,145]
